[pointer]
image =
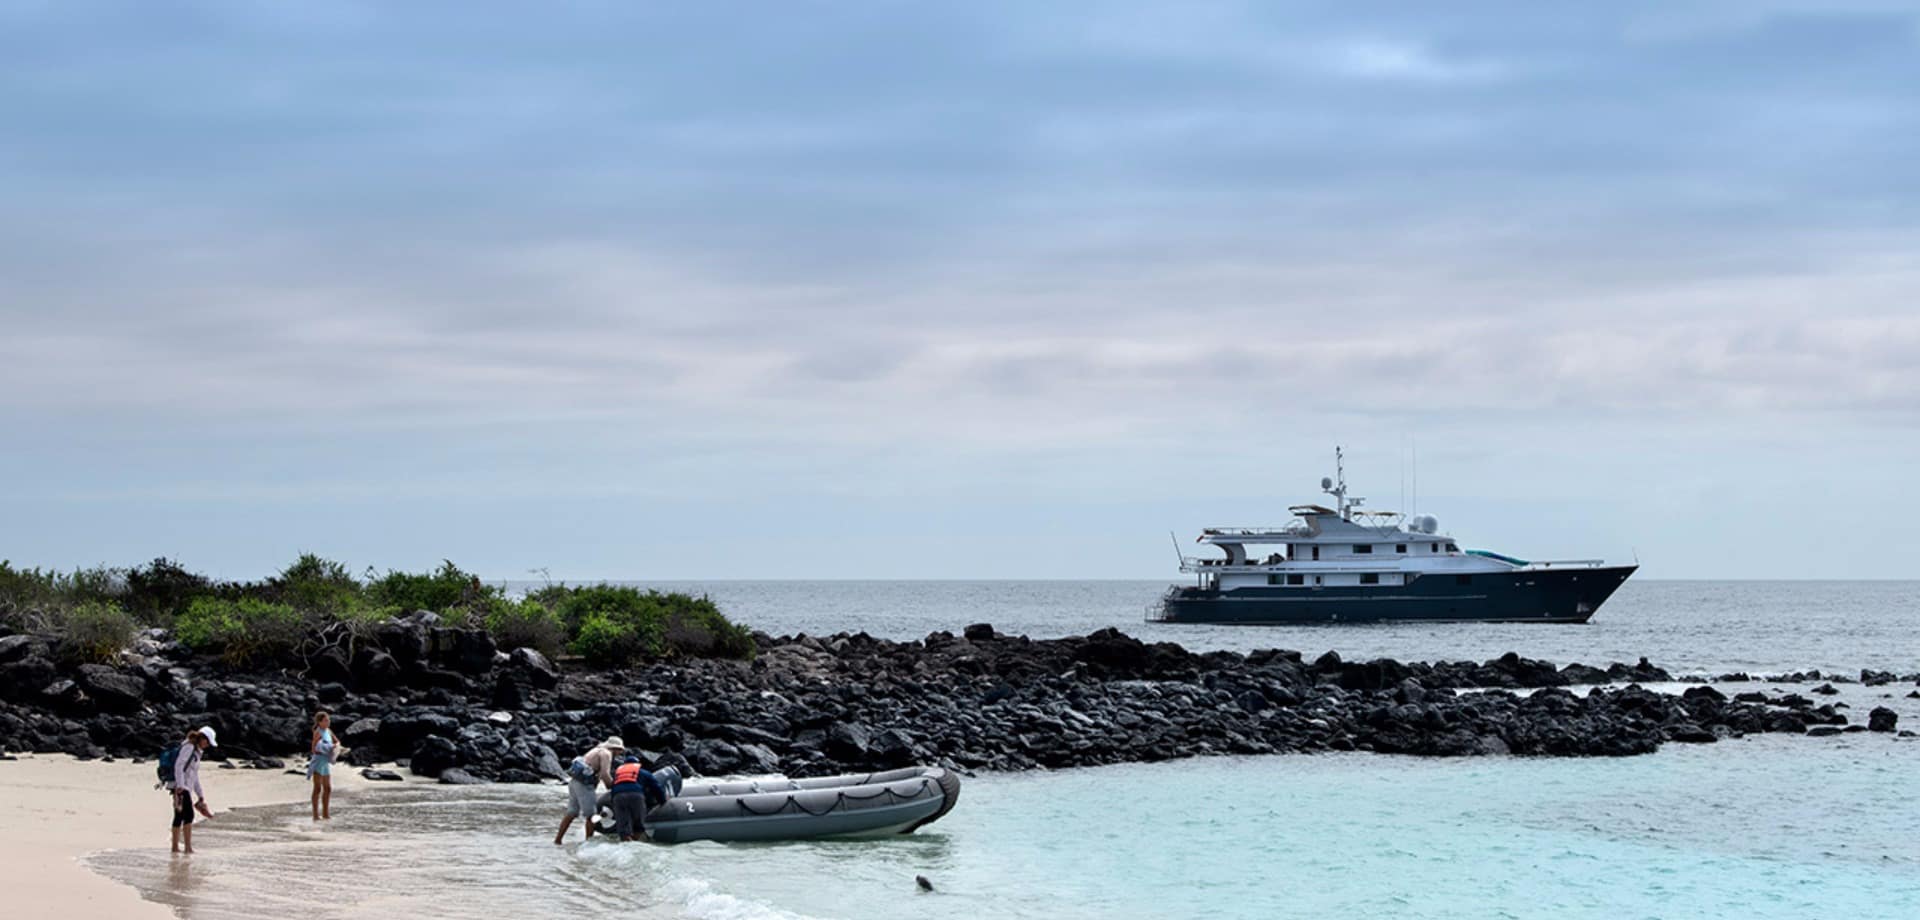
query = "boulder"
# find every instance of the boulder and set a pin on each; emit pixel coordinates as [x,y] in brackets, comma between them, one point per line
[978,632]
[375,670]
[713,757]
[454,776]
[433,755]
[401,732]
[382,776]
[1689,733]
[331,693]
[509,694]
[361,733]
[758,759]
[330,665]
[405,640]
[14,648]
[469,651]
[23,677]
[113,691]
[848,742]
[895,748]
[539,672]
[1703,692]
[1882,719]
[66,696]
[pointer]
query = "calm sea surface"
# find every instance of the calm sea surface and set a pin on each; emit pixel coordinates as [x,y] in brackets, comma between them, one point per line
[1716,626]
[1759,827]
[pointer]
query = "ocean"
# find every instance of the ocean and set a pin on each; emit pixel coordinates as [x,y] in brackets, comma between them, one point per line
[1766,826]
[1692,626]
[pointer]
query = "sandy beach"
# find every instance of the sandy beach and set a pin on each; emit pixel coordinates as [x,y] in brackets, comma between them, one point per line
[55,810]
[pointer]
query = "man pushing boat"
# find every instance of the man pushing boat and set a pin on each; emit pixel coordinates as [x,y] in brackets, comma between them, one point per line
[584,776]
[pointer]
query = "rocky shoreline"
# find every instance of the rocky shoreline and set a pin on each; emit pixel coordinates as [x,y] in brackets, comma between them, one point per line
[450,704]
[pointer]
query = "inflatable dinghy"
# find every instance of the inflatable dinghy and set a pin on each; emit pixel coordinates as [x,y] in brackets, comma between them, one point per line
[776,808]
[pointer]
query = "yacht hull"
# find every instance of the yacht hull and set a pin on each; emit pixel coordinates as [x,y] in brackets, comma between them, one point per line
[1532,596]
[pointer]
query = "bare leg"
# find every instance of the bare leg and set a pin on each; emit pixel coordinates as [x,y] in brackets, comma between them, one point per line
[176,838]
[317,779]
[326,797]
[565,823]
[186,837]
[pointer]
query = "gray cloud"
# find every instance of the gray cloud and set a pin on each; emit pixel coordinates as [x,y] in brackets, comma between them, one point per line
[1057,231]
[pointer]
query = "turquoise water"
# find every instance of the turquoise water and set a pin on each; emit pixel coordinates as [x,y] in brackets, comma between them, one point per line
[1756,828]
[1765,827]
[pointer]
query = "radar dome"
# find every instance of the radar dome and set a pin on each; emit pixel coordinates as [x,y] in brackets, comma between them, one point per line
[1326,482]
[1426,523]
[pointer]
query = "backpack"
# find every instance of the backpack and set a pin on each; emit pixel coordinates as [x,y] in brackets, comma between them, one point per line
[164,769]
[579,770]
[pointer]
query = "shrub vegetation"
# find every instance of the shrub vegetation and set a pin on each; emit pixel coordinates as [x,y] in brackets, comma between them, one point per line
[316,601]
[526,623]
[614,625]
[243,631]
[94,631]
[448,591]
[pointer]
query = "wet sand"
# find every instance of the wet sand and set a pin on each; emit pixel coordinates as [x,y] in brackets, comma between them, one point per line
[55,810]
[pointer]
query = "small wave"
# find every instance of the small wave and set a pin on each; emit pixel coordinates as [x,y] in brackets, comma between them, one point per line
[702,902]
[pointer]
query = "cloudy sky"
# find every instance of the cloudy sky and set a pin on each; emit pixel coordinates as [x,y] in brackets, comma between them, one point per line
[971,289]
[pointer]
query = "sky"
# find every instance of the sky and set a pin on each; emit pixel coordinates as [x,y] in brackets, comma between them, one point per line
[955,290]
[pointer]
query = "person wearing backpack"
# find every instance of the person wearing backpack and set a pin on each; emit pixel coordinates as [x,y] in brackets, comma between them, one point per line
[584,775]
[187,794]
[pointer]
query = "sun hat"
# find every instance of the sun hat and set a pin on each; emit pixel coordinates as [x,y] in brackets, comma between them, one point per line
[207,730]
[614,742]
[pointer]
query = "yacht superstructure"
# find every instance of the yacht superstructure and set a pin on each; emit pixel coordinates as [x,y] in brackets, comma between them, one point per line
[1345,565]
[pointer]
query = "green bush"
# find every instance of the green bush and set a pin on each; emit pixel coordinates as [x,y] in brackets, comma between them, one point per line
[614,625]
[95,631]
[241,631]
[36,600]
[526,623]
[448,590]
[161,590]
[609,643]
[24,590]
[315,585]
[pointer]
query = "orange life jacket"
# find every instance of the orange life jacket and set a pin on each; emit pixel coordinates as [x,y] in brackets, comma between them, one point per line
[626,773]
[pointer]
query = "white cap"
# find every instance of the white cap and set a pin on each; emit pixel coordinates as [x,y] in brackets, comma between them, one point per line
[207,730]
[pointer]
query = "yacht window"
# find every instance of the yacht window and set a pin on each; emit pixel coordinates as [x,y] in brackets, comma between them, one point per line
[1370,578]
[1316,581]
[1400,548]
[1273,579]
[1433,547]
[1316,554]
[1296,579]
[1452,548]
[1363,548]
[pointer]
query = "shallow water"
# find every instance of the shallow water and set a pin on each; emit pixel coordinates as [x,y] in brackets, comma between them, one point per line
[1759,827]
[1694,626]
[1762,827]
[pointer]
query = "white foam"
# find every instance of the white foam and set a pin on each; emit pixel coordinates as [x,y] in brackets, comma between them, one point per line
[702,902]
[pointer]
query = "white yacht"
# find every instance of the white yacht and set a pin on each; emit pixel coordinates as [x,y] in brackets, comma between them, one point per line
[1345,565]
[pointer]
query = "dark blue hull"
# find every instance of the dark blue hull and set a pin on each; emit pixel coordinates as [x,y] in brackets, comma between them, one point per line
[1538,596]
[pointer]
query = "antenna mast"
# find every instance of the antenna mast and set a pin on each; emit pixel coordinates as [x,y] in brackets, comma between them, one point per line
[1338,488]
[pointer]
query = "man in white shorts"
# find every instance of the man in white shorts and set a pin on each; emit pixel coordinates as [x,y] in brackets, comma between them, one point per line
[583,794]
